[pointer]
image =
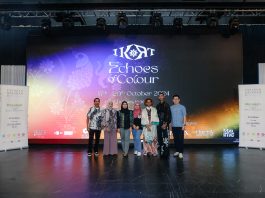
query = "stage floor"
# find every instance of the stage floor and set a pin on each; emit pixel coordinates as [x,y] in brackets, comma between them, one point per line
[66,171]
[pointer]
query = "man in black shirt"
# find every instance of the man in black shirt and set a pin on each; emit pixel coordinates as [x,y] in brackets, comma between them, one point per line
[164,114]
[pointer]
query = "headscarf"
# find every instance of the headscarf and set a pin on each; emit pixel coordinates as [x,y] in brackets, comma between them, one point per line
[125,110]
[109,111]
[137,112]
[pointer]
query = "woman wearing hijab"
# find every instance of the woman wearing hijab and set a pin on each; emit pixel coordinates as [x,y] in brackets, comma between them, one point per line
[150,121]
[137,129]
[110,125]
[125,126]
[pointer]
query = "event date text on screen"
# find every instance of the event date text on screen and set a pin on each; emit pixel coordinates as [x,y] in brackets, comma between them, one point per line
[140,93]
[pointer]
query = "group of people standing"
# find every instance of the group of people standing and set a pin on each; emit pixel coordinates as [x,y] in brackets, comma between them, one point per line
[151,122]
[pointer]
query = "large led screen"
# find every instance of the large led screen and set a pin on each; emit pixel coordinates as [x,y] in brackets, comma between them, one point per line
[66,73]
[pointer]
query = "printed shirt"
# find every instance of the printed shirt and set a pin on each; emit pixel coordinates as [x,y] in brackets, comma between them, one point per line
[95,117]
[109,119]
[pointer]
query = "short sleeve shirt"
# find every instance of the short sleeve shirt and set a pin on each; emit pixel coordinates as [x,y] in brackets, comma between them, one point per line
[95,117]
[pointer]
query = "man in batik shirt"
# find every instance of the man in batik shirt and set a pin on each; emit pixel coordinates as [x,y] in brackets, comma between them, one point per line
[94,118]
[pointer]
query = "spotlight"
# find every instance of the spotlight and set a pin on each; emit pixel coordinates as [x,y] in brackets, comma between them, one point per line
[68,22]
[156,20]
[122,20]
[234,25]
[178,24]
[46,26]
[212,21]
[101,23]
[5,22]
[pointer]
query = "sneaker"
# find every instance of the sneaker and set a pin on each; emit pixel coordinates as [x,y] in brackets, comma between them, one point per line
[139,154]
[181,156]
[135,152]
[145,154]
[89,154]
[176,154]
[125,155]
[96,154]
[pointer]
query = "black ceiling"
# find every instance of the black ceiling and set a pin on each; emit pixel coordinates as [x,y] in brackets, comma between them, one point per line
[115,4]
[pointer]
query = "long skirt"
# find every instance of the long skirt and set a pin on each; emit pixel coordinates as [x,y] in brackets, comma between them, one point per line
[110,143]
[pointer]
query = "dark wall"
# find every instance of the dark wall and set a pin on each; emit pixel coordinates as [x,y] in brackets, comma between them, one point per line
[13,46]
[253,52]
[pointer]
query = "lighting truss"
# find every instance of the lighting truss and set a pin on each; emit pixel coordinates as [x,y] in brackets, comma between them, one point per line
[140,16]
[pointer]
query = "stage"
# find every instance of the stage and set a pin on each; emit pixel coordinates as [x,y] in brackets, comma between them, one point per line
[66,171]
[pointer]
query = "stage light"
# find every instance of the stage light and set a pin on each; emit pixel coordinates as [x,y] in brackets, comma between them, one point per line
[5,22]
[46,26]
[156,20]
[212,21]
[68,22]
[178,24]
[122,20]
[101,23]
[233,25]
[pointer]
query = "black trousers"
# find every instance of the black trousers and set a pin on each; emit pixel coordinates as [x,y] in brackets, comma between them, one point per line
[93,132]
[161,133]
[178,134]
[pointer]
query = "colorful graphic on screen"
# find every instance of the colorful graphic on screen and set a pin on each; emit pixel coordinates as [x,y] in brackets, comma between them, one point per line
[65,74]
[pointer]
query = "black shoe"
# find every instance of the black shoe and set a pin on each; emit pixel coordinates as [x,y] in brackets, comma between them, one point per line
[114,155]
[89,154]
[96,154]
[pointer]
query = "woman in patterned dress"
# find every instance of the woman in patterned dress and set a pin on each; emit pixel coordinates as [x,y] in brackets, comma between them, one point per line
[109,125]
